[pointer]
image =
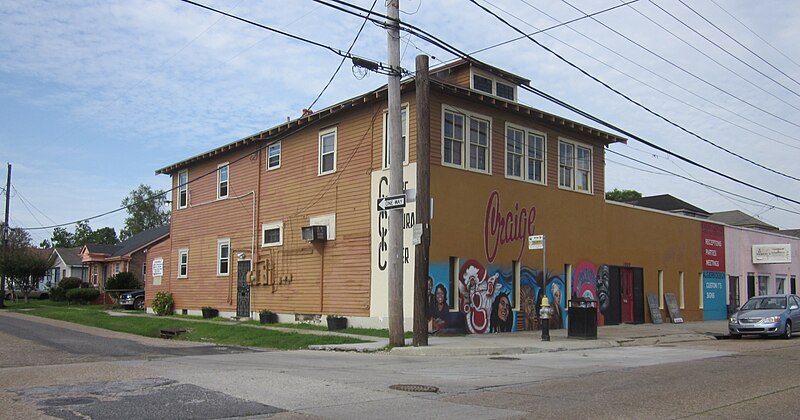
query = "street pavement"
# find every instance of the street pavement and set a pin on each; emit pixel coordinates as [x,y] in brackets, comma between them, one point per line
[531,341]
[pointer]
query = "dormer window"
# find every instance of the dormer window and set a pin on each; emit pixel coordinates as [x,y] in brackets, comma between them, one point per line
[493,86]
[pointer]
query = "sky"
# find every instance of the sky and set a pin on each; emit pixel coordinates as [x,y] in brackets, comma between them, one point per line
[95,96]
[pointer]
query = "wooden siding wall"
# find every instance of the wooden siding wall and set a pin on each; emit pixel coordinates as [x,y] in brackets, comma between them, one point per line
[207,220]
[161,250]
[330,277]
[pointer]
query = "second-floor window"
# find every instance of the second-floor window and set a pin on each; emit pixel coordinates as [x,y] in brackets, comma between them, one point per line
[493,86]
[525,152]
[466,133]
[403,136]
[223,257]
[327,151]
[183,263]
[222,181]
[183,189]
[274,156]
[574,166]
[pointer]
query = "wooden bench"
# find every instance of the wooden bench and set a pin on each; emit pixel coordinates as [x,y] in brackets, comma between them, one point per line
[172,332]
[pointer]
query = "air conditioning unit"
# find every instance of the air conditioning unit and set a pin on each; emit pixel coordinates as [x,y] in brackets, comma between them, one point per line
[315,233]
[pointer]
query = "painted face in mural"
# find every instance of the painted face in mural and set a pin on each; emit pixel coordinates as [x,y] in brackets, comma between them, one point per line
[503,307]
[556,294]
[602,288]
[440,296]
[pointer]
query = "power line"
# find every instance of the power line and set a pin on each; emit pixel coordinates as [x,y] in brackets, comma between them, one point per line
[699,182]
[687,71]
[754,33]
[380,67]
[631,100]
[667,80]
[730,54]
[310,107]
[739,43]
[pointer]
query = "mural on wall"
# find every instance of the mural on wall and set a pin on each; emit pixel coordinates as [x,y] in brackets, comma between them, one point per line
[486,299]
[590,282]
[712,244]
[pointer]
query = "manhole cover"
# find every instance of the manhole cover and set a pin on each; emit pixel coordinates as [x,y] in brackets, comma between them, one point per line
[503,358]
[415,388]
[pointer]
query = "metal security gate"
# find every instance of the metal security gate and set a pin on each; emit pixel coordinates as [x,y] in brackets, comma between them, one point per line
[242,290]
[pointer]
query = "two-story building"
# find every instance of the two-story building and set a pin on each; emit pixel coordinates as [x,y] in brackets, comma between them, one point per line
[500,172]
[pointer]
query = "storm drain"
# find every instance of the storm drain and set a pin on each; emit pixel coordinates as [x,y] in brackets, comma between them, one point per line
[414,388]
[503,358]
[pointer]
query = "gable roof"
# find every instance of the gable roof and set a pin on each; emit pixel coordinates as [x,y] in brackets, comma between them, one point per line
[741,219]
[380,94]
[70,256]
[791,232]
[666,202]
[130,245]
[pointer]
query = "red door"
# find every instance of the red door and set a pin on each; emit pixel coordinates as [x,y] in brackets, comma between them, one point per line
[626,285]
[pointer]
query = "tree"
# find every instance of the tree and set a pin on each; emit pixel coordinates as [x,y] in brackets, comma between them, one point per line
[146,209]
[83,235]
[21,263]
[623,195]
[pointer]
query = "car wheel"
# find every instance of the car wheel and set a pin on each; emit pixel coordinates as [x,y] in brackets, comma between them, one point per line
[138,304]
[787,334]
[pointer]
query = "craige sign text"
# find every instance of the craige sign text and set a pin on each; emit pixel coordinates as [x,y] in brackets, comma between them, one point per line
[510,227]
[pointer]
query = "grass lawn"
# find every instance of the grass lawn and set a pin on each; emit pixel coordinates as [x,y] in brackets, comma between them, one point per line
[229,333]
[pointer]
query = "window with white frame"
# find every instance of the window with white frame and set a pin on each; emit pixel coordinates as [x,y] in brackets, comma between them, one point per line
[763,280]
[222,181]
[223,257]
[780,284]
[462,130]
[183,263]
[272,234]
[494,86]
[274,156]
[525,152]
[403,136]
[327,151]
[183,189]
[574,166]
[116,268]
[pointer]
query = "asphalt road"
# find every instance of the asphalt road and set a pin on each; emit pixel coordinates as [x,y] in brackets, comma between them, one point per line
[156,379]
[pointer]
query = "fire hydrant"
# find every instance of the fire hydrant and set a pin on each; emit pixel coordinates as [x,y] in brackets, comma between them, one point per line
[544,315]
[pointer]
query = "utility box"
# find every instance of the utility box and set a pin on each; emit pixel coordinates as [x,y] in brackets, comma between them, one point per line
[314,233]
[582,321]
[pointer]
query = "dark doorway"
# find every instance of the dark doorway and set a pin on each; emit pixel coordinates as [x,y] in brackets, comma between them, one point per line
[751,286]
[733,293]
[626,295]
[242,290]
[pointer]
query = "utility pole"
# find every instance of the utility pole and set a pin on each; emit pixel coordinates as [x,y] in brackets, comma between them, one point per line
[421,256]
[396,328]
[5,234]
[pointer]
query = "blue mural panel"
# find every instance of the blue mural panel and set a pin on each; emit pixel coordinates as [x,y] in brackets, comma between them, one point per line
[714,305]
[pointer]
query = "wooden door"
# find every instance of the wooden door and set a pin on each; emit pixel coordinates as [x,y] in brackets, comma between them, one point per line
[626,295]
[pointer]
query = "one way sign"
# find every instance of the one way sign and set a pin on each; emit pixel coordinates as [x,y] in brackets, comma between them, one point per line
[391,202]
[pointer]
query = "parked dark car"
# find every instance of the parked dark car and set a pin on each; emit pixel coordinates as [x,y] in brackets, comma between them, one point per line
[766,315]
[132,300]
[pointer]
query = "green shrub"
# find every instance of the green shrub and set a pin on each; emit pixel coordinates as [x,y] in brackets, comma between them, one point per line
[124,281]
[58,294]
[69,283]
[162,304]
[82,296]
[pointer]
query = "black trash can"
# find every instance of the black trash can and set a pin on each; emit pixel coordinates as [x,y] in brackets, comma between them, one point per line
[582,322]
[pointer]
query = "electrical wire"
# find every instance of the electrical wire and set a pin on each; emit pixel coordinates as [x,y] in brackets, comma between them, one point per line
[333,76]
[631,100]
[665,79]
[687,72]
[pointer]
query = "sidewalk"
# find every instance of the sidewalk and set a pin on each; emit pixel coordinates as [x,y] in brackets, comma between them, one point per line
[531,341]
